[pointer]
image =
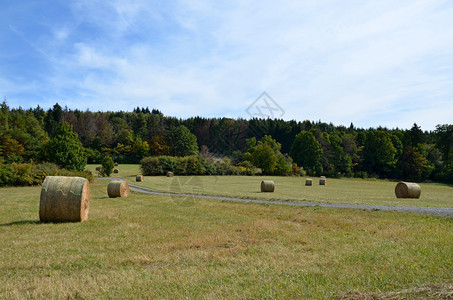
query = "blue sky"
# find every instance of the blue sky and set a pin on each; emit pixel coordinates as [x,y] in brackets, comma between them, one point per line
[372,63]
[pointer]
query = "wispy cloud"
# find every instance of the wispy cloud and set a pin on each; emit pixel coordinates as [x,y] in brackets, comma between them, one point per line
[371,63]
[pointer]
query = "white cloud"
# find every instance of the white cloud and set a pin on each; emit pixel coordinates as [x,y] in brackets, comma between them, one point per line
[60,34]
[371,63]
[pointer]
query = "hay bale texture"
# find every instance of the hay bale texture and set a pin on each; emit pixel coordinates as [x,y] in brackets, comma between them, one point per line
[322,180]
[139,178]
[64,199]
[267,186]
[308,182]
[170,174]
[116,171]
[118,189]
[407,190]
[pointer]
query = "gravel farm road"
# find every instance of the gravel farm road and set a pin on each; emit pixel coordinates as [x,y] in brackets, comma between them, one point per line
[423,210]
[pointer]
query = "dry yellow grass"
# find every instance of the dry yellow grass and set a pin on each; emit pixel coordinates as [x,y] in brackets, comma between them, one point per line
[152,247]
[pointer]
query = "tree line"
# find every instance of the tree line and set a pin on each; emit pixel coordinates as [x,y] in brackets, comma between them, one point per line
[71,138]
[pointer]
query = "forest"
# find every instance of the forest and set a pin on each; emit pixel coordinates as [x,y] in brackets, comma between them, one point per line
[66,139]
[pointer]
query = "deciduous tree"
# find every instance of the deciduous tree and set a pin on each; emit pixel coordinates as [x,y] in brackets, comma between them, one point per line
[182,142]
[306,151]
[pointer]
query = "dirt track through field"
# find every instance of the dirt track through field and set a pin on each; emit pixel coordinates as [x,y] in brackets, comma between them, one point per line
[423,210]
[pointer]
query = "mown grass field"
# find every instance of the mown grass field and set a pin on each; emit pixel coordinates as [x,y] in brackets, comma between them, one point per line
[351,191]
[148,246]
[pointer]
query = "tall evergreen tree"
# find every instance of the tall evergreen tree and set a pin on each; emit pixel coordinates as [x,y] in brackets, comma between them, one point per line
[65,149]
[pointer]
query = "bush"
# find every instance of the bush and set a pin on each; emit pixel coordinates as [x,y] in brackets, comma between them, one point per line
[225,168]
[169,163]
[193,165]
[23,174]
[211,169]
[284,165]
[46,169]
[27,174]
[150,166]
[189,165]
[247,168]
[361,174]
[6,175]
[107,166]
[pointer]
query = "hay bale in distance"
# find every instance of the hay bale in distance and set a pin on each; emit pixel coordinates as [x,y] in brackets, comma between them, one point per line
[118,189]
[116,171]
[64,199]
[267,186]
[139,178]
[170,174]
[98,169]
[116,164]
[322,180]
[407,190]
[308,182]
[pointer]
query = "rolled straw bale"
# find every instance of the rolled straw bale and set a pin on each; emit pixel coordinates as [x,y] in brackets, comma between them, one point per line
[118,189]
[139,178]
[267,186]
[170,174]
[322,180]
[64,199]
[116,164]
[98,169]
[407,190]
[116,171]
[308,182]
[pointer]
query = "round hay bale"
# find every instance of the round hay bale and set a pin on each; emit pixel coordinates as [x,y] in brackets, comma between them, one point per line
[116,171]
[407,190]
[170,174]
[116,164]
[98,169]
[308,182]
[267,186]
[118,189]
[64,199]
[322,180]
[139,178]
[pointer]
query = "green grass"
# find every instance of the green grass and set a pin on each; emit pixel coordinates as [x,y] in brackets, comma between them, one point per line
[147,246]
[351,191]
[125,170]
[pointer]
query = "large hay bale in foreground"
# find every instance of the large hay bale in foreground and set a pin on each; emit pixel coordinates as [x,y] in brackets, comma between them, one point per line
[64,199]
[116,171]
[322,180]
[139,178]
[170,174]
[308,182]
[118,189]
[267,186]
[407,190]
